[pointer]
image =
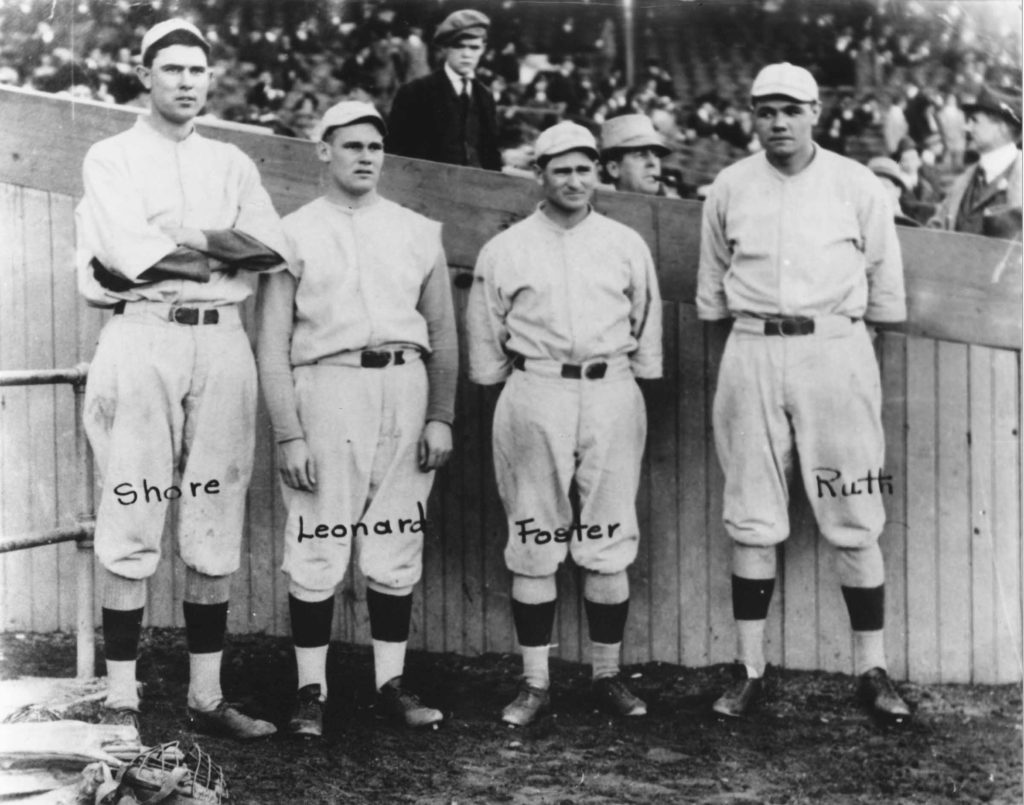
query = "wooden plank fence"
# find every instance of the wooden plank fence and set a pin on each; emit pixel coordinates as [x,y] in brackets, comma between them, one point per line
[952,406]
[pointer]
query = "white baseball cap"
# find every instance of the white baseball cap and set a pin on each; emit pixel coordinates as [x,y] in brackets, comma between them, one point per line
[787,80]
[345,113]
[563,137]
[162,29]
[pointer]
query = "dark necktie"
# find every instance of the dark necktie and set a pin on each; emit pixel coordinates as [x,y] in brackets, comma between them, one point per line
[465,96]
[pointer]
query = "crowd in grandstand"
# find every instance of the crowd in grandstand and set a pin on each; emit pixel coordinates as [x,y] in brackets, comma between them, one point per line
[896,73]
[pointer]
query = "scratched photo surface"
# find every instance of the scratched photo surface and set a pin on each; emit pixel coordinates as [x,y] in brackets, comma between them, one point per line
[949,385]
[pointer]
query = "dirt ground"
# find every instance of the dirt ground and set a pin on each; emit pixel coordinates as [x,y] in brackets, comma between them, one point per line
[809,742]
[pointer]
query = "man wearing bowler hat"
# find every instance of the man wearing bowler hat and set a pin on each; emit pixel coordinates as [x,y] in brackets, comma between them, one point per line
[799,249]
[449,116]
[631,152]
[986,198]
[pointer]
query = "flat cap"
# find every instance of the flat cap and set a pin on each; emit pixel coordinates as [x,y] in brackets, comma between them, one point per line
[786,80]
[459,24]
[162,29]
[631,131]
[886,168]
[563,137]
[345,113]
[999,102]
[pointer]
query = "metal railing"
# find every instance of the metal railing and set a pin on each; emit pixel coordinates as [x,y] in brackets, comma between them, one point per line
[82,532]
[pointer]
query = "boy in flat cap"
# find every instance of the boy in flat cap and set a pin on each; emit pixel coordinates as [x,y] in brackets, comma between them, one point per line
[171,231]
[565,308]
[449,116]
[986,198]
[358,361]
[631,152]
[799,378]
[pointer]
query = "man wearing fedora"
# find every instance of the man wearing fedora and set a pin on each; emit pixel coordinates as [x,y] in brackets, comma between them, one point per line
[449,116]
[986,198]
[631,152]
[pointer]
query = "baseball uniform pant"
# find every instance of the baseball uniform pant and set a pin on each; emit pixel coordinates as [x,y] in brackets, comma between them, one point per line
[549,430]
[170,413]
[817,396]
[362,427]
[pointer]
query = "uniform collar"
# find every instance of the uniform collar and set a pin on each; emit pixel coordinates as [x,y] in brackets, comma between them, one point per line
[542,216]
[143,124]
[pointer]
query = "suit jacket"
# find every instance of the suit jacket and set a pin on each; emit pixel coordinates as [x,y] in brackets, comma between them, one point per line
[1000,202]
[420,117]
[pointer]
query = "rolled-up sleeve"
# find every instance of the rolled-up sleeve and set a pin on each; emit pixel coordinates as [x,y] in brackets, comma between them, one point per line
[256,214]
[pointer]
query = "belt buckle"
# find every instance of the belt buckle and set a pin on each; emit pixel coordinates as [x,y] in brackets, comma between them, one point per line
[572,371]
[790,326]
[595,371]
[372,359]
[184,315]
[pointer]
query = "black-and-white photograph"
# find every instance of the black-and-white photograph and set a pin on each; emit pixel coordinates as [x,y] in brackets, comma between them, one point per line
[511,401]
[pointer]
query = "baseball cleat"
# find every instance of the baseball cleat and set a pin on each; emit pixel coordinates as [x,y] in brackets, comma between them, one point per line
[308,715]
[740,696]
[879,695]
[228,721]
[120,716]
[613,695]
[406,706]
[529,703]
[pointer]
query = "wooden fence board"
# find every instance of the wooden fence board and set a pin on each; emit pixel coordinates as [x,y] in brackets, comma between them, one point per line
[983,560]
[41,458]
[953,513]
[893,362]
[923,598]
[66,352]
[692,415]
[1006,520]
[663,537]
[17,600]
[721,631]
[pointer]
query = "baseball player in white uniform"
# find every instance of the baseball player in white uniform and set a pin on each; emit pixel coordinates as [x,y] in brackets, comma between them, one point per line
[358,360]
[565,308]
[171,229]
[798,247]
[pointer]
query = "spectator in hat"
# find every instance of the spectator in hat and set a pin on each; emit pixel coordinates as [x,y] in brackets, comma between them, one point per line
[920,194]
[449,116]
[631,152]
[895,184]
[986,198]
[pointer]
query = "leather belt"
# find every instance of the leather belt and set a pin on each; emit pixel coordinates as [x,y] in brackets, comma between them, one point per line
[795,325]
[572,371]
[371,358]
[378,359]
[182,315]
[827,326]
